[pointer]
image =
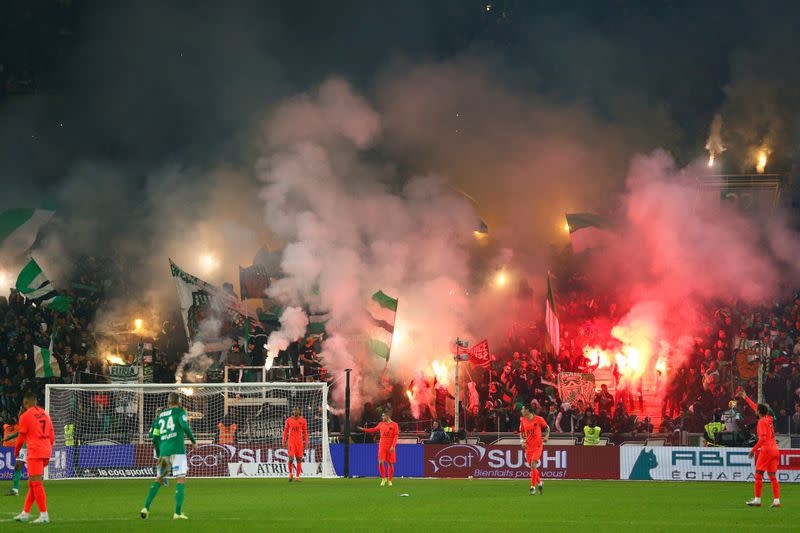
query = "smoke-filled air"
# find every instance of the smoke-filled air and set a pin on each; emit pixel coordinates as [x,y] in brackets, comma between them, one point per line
[399,190]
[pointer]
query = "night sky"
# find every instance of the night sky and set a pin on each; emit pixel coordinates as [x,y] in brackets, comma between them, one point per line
[146,82]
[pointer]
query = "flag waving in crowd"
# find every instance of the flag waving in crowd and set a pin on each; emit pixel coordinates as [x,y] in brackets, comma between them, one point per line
[19,229]
[551,319]
[200,300]
[586,230]
[35,286]
[382,312]
[479,354]
[253,282]
[46,363]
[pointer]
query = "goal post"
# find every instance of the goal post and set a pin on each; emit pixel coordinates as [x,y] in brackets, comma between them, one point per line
[102,430]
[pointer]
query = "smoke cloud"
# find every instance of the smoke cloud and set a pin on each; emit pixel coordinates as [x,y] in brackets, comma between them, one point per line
[293,326]
[677,252]
[226,131]
[194,363]
[353,227]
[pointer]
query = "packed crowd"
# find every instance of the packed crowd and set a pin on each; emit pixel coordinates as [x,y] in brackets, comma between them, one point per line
[722,361]
[70,337]
[23,325]
[524,370]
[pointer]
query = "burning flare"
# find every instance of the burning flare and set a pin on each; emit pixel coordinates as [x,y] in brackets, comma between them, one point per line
[714,142]
[208,263]
[761,160]
[114,359]
[597,357]
[440,371]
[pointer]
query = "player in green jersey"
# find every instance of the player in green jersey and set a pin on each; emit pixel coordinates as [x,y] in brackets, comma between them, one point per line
[10,437]
[168,433]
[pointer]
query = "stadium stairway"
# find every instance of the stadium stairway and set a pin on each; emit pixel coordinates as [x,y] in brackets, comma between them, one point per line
[651,405]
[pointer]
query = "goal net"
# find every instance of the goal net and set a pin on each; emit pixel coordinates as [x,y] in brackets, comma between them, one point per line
[102,430]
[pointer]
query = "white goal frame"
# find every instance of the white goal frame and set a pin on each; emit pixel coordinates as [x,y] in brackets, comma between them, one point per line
[236,395]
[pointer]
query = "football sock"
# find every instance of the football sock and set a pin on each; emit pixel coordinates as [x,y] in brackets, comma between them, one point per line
[299,467]
[179,494]
[758,484]
[28,500]
[776,487]
[382,470]
[39,495]
[391,471]
[151,494]
[16,478]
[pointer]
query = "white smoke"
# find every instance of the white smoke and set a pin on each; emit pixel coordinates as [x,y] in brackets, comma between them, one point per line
[196,361]
[194,364]
[353,227]
[293,326]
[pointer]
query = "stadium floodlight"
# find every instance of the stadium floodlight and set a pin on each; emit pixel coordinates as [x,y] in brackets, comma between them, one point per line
[101,430]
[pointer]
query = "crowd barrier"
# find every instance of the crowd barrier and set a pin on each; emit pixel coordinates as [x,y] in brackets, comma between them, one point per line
[667,463]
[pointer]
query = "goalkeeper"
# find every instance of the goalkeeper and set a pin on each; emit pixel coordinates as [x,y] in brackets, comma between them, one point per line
[168,433]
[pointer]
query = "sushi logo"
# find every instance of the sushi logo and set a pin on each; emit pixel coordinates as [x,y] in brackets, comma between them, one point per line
[643,465]
[458,456]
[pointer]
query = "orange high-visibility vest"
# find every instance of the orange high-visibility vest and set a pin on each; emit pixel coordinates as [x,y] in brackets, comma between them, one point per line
[227,435]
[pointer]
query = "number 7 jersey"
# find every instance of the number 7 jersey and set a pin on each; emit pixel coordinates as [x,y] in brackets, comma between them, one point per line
[169,430]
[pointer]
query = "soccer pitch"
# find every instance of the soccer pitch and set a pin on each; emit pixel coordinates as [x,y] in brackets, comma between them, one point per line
[431,505]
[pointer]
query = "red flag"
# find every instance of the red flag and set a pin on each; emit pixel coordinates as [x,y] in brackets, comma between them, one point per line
[479,354]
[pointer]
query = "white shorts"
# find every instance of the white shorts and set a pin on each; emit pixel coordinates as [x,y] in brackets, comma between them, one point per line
[179,465]
[23,455]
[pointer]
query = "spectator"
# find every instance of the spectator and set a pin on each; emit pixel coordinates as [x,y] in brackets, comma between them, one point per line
[644,426]
[591,432]
[621,420]
[603,399]
[796,419]
[437,436]
[732,417]
[711,376]
[565,420]
[309,359]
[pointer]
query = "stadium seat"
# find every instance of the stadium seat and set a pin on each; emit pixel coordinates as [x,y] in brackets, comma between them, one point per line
[655,442]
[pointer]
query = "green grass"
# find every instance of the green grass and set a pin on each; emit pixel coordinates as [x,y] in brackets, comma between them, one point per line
[432,505]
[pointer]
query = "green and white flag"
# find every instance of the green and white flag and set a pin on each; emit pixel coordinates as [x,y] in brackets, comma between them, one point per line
[586,230]
[199,301]
[19,229]
[316,322]
[382,311]
[46,363]
[551,319]
[34,285]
